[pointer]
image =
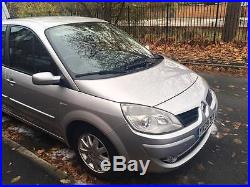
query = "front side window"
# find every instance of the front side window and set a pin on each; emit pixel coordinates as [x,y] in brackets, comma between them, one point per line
[3,43]
[27,53]
[94,50]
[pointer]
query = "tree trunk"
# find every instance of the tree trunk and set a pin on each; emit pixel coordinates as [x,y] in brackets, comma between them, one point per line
[86,10]
[122,6]
[231,24]
[107,12]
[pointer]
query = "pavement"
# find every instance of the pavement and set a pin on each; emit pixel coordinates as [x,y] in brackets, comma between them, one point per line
[18,169]
[223,160]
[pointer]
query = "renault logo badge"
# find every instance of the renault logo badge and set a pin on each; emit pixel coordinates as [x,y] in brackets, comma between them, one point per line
[203,106]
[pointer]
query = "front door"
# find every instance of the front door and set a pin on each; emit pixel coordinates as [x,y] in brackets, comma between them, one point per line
[27,56]
[5,74]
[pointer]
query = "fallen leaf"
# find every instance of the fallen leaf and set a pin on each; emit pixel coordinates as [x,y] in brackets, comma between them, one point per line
[226,129]
[201,183]
[40,151]
[214,130]
[65,181]
[229,109]
[243,162]
[211,163]
[54,149]
[236,125]
[237,141]
[200,167]
[223,124]
[79,182]
[233,155]
[16,179]
[219,135]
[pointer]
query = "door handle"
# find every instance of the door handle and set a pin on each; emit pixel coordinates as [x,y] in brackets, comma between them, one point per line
[11,81]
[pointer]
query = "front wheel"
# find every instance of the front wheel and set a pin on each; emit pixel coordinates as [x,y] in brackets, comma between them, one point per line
[93,148]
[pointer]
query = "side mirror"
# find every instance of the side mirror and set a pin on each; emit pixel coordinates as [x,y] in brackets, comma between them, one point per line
[45,78]
[147,47]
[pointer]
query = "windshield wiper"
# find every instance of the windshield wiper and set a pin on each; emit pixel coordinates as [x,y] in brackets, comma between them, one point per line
[145,62]
[101,73]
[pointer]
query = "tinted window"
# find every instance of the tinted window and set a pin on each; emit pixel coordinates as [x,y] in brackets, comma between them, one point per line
[95,49]
[3,42]
[27,53]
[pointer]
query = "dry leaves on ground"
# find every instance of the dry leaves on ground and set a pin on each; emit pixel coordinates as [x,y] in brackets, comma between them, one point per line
[206,53]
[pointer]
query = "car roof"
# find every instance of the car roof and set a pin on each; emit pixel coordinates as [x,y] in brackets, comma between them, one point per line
[49,21]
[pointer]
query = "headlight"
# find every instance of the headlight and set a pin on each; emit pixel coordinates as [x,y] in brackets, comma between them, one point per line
[150,120]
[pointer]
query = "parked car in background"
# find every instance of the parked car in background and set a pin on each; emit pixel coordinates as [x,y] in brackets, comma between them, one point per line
[93,87]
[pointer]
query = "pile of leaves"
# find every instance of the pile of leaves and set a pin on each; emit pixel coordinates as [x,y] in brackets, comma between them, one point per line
[209,56]
[241,72]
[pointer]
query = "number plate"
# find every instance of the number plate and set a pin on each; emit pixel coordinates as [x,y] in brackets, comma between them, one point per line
[206,125]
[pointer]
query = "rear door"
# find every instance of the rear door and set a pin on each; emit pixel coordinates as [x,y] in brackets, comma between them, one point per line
[27,56]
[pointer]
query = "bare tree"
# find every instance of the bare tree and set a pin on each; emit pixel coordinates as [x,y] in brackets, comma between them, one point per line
[122,6]
[86,9]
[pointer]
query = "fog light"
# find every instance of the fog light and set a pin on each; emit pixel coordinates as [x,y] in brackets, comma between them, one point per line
[170,159]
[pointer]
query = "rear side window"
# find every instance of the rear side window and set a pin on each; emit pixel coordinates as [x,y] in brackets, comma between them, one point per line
[27,53]
[3,43]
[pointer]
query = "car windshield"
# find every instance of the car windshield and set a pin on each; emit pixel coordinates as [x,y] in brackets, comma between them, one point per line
[95,50]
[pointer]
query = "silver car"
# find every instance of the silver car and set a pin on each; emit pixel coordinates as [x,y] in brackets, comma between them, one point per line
[93,87]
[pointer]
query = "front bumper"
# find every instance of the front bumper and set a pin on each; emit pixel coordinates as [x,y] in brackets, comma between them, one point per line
[172,150]
[181,151]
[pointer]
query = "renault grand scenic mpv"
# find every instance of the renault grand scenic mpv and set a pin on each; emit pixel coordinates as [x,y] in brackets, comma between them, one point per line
[93,87]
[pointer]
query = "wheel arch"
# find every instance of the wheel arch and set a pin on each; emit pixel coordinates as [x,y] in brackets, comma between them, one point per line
[99,125]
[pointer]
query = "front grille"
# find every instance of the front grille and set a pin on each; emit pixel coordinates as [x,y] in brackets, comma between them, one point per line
[209,98]
[188,117]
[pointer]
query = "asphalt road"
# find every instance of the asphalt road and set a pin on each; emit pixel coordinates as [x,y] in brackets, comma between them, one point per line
[223,160]
[18,169]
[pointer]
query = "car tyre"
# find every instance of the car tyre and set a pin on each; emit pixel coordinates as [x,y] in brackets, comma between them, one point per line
[85,136]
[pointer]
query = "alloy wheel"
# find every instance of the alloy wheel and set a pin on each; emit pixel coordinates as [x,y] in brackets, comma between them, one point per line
[92,151]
